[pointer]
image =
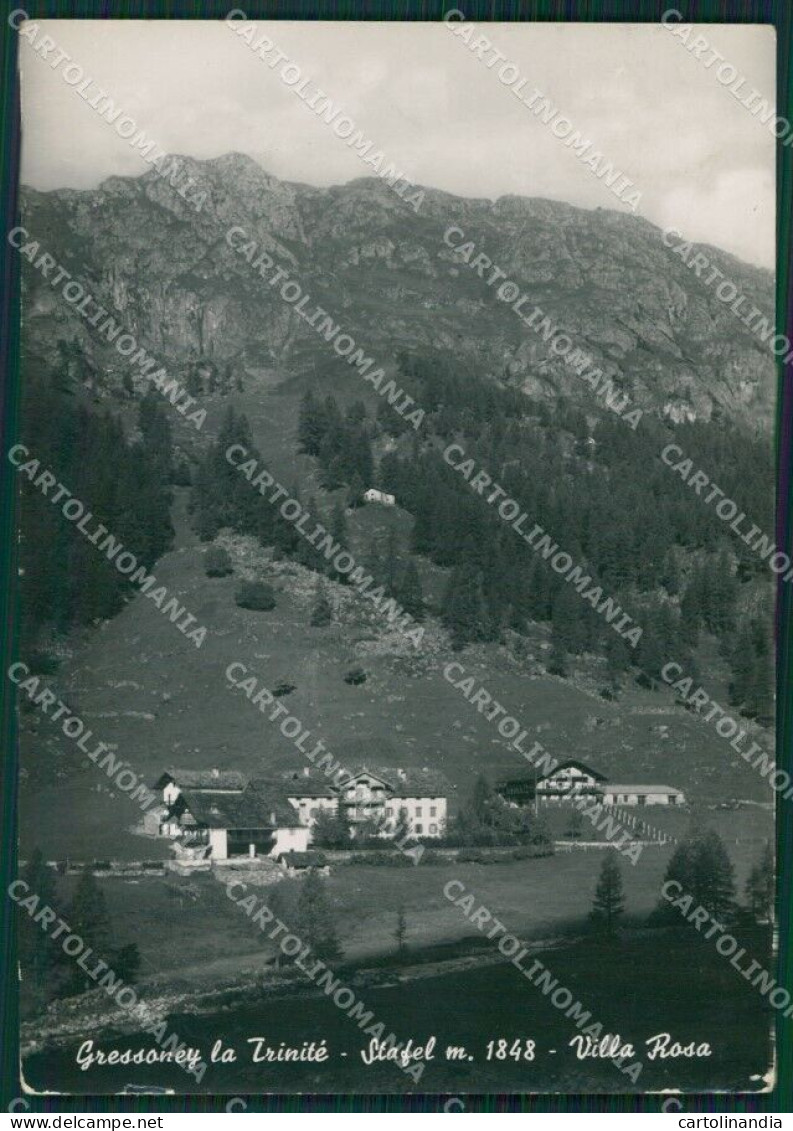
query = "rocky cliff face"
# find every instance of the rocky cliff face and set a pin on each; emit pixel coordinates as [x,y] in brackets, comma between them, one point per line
[384,272]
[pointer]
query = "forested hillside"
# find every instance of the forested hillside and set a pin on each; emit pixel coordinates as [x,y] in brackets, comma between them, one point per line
[482,379]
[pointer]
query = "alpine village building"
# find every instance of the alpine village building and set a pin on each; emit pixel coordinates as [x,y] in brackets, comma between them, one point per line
[574,778]
[225,815]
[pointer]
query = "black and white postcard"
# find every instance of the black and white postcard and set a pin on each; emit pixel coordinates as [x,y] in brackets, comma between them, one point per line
[397,557]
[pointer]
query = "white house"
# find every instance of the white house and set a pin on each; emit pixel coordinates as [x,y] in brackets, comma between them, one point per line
[310,795]
[642,795]
[382,497]
[414,800]
[229,815]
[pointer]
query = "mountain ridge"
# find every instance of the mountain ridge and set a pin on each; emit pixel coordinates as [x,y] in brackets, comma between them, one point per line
[384,271]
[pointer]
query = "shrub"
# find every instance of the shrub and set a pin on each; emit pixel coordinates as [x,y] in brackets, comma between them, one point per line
[322,613]
[43,663]
[355,676]
[381,859]
[181,477]
[217,563]
[283,688]
[256,595]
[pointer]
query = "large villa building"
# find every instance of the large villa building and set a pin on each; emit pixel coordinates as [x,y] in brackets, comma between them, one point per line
[386,797]
[224,815]
[574,779]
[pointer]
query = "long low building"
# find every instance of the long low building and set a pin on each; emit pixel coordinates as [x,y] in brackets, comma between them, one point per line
[642,795]
[575,779]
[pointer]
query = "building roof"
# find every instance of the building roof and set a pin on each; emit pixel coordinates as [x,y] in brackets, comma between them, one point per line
[204,779]
[409,781]
[527,777]
[579,766]
[256,808]
[298,784]
[612,788]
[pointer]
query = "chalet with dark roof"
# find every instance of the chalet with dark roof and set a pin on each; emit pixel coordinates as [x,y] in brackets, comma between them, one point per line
[576,779]
[230,815]
[237,815]
[571,776]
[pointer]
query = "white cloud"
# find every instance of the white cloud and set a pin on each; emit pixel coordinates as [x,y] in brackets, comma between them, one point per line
[700,160]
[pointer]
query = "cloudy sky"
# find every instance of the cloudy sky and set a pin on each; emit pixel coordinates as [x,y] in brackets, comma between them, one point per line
[699,158]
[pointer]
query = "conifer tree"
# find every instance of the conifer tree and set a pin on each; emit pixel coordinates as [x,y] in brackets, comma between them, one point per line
[321,613]
[463,611]
[608,905]
[401,931]
[38,953]
[408,591]
[88,915]
[126,963]
[311,425]
[567,620]
[760,887]
[314,920]
[702,869]
[330,829]
[355,491]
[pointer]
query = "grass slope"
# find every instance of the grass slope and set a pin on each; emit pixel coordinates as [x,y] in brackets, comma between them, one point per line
[141,685]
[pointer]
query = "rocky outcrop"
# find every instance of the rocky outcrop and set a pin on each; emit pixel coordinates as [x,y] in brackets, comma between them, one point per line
[164,269]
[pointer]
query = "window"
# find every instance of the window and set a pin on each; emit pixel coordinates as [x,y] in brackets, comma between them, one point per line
[389,811]
[433,811]
[313,812]
[418,810]
[433,829]
[418,829]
